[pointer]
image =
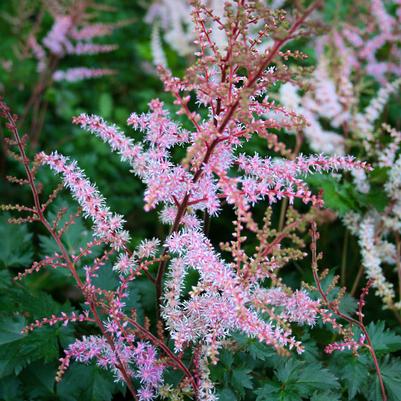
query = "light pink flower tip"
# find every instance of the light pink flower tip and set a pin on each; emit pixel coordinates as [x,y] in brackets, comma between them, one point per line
[110,134]
[80,73]
[349,345]
[107,226]
[92,31]
[90,48]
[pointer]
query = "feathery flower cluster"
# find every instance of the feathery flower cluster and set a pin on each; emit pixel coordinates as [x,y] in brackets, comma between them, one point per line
[80,73]
[107,225]
[372,261]
[174,17]
[71,34]
[297,307]
[212,315]
[142,355]
[362,45]
[332,102]
[223,301]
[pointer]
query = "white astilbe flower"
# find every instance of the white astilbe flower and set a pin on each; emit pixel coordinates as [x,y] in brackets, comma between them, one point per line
[323,100]
[372,262]
[159,57]
[175,20]
[393,189]
[361,181]
[387,156]
[320,140]
[364,122]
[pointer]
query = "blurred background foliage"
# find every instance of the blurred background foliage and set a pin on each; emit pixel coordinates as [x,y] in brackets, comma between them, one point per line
[247,370]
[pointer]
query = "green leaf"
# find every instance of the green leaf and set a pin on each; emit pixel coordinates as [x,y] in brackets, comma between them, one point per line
[269,392]
[226,394]
[10,388]
[391,374]
[300,379]
[375,198]
[241,379]
[383,340]
[39,380]
[336,196]
[354,370]
[325,396]
[16,244]
[19,350]
[379,175]
[86,382]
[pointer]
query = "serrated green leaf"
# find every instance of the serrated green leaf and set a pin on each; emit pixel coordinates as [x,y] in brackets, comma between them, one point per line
[86,382]
[269,392]
[19,350]
[10,388]
[336,196]
[354,370]
[16,244]
[383,340]
[301,379]
[379,175]
[391,374]
[226,394]
[241,379]
[325,396]
[39,380]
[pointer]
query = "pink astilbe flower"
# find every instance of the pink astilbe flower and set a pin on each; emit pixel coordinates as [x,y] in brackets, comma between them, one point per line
[107,226]
[92,31]
[150,370]
[110,134]
[297,307]
[212,315]
[71,33]
[350,345]
[57,40]
[80,73]
[90,48]
[147,248]
[276,179]
[142,355]
[38,52]
[362,44]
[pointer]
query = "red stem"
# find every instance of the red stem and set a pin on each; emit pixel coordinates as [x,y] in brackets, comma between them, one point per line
[336,311]
[13,128]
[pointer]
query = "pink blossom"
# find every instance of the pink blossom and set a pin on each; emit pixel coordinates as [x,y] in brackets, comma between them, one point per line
[350,345]
[222,309]
[91,31]
[90,48]
[80,73]
[57,39]
[107,226]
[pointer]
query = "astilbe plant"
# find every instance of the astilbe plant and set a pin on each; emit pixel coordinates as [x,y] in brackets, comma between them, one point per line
[347,57]
[242,292]
[74,32]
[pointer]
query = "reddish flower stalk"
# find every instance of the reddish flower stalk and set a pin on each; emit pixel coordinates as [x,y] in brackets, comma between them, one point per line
[333,307]
[39,212]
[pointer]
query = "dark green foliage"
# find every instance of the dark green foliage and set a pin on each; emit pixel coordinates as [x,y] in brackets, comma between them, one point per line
[16,248]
